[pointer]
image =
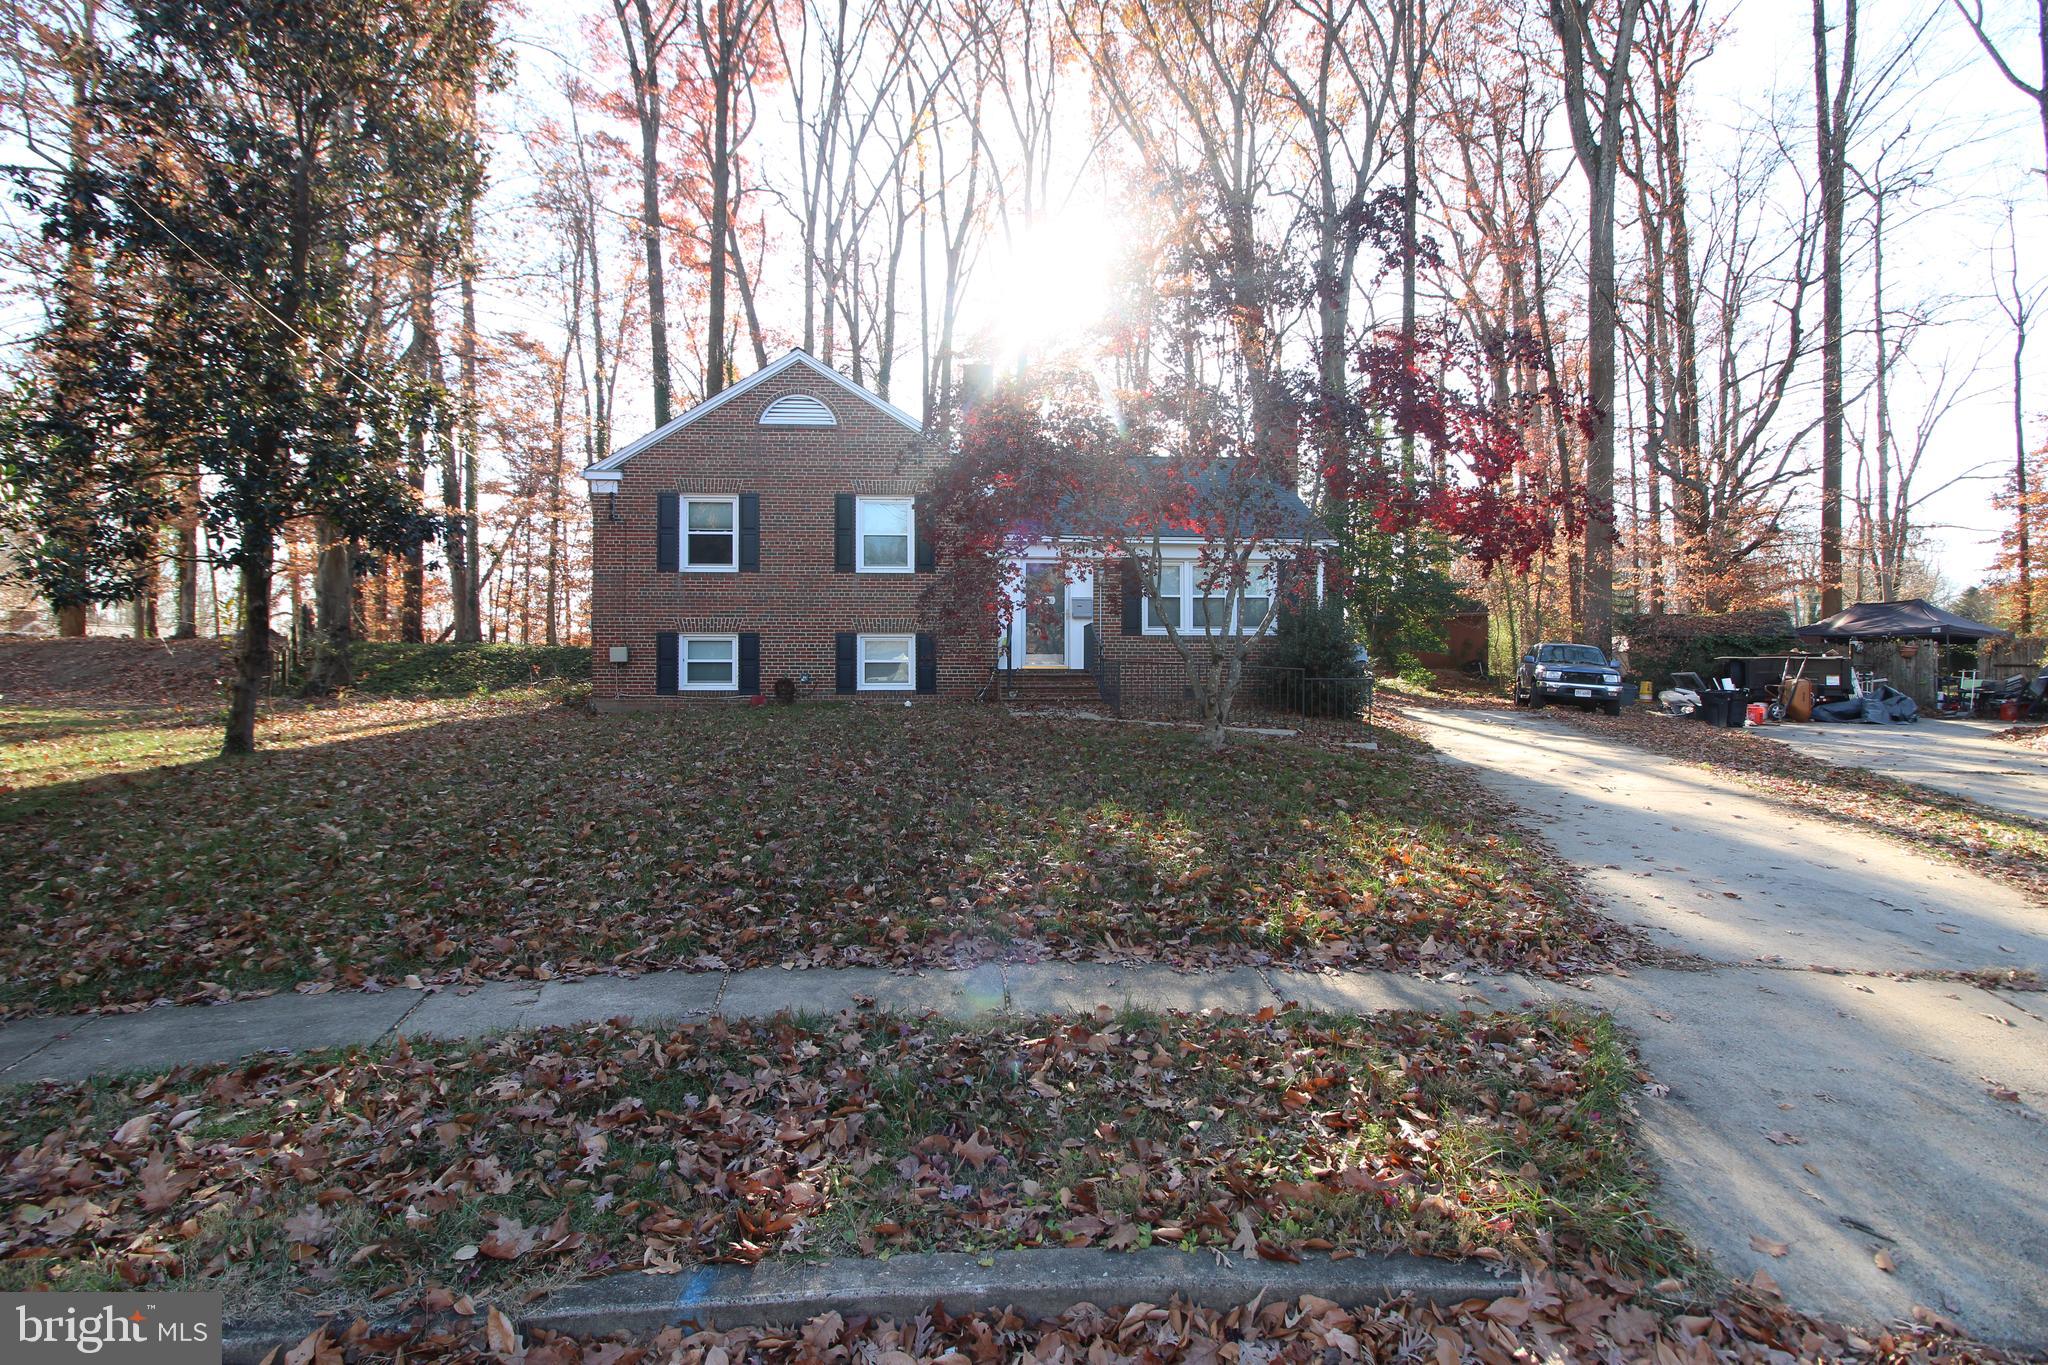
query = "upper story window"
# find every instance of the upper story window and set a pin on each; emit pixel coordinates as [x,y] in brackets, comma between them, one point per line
[797,410]
[711,541]
[1168,607]
[883,531]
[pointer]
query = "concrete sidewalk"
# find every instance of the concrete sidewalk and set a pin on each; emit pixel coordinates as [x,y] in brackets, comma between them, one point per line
[77,1046]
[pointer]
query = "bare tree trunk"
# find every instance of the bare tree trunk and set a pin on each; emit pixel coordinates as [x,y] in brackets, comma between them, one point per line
[333,607]
[252,653]
[1831,124]
[646,43]
[741,278]
[1887,557]
[716,361]
[424,359]
[1598,145]
[186,599]
[467,606]
[2023,514]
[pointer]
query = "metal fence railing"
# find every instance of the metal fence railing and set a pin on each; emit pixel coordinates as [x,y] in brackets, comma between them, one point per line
[1161,688]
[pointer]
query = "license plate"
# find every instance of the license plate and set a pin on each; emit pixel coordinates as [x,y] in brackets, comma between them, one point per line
[1582,691]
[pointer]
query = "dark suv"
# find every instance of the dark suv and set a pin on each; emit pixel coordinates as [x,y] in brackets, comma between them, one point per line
[1568,673]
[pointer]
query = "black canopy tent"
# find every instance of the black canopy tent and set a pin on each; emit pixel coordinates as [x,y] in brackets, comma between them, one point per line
[1913,619]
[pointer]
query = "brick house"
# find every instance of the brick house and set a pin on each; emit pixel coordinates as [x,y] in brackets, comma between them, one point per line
[773,532]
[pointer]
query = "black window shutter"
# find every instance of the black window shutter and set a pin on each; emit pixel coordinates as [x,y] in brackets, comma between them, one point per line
[926,561]
[667,555]
[1134,599]
[750,662]
[927,664]
[842,532]
[750,533]
[665,667]
[845,647]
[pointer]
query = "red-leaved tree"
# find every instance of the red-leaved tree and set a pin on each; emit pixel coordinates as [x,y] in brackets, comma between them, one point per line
[1060,466]
[1101,489]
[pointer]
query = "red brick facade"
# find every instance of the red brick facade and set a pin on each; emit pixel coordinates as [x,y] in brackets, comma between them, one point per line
[798,601]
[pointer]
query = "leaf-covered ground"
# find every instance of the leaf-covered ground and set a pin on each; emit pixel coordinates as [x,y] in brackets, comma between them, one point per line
[1592,1315]
[513,837]
[429,1171]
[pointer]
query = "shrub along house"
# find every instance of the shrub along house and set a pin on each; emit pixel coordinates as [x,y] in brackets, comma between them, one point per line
[776,531]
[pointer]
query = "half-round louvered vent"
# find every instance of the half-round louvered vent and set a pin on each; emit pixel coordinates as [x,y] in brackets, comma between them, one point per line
[797,410]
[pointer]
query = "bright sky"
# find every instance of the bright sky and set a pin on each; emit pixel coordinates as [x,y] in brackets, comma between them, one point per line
[1990,154]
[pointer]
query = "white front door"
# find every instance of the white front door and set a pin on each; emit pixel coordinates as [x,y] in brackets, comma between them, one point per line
[1044,617]
[1049,617]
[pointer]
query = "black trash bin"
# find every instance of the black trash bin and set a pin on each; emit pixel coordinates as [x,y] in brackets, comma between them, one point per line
[1722,709]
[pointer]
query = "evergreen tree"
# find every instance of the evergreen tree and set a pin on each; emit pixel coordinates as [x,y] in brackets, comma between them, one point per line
[267,149]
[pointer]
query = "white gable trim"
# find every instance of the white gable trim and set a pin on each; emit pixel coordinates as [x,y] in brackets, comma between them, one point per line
[611,463]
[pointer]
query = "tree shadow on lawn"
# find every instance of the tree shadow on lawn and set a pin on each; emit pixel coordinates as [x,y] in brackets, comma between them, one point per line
[32,723]
[516,839]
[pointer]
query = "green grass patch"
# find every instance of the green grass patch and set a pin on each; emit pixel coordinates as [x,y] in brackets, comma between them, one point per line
[44,745]
[396,670]
[540,1157]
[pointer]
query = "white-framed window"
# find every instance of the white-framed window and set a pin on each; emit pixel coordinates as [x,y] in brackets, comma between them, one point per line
[711,535]
[1190,608]
[884,530]
[1170,600]
[1256,599]
[709,663]
[887,663]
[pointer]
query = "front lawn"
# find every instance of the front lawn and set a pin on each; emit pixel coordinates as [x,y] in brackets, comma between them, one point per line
[538,1158]
[517,837]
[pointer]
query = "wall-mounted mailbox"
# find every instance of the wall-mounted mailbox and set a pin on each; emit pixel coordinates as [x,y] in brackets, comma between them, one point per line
[618,654]
[1083,607]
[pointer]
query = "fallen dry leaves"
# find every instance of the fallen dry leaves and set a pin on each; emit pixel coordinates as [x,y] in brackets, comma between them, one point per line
[511,838]
[1589,1316]
[566,1153]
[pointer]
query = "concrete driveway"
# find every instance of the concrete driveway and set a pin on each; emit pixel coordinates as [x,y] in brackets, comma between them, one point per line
[1957,756]
[1824,1093]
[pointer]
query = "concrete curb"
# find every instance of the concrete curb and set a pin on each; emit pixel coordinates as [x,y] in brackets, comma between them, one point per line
[1038,1284]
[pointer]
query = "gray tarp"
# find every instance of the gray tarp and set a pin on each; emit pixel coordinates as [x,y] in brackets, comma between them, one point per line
[1888,706]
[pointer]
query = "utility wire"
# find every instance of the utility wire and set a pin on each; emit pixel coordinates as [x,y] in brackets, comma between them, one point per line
[271,313]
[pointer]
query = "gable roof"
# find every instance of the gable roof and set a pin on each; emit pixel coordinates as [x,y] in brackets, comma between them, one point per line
[795,359]
[1265,508]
